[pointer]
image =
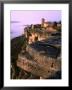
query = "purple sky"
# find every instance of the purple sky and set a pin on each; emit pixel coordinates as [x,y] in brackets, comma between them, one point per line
[20,18]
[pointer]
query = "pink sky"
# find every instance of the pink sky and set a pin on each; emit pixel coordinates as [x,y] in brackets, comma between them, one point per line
[20,18]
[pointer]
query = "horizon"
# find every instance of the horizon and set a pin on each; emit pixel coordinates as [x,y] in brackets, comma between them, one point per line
[18,19]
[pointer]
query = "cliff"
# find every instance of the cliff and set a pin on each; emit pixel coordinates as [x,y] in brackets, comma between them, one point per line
[41,58]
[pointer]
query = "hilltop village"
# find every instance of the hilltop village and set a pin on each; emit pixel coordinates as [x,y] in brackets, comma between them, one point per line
[42,31]
[40,55]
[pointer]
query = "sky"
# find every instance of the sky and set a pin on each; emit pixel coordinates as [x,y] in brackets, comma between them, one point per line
[21,18]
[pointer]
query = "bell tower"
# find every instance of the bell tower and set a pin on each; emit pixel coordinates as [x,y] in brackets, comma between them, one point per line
[42,22]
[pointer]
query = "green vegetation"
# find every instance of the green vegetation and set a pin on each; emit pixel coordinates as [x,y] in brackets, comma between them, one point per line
[16,47]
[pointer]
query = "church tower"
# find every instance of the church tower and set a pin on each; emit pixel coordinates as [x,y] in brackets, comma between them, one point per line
[42,22]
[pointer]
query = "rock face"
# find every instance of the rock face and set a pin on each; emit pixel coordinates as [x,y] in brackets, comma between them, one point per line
[40,59]
[41,70]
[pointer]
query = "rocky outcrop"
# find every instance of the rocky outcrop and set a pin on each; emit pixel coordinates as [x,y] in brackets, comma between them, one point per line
[43,59]
[39,69]
[40,60]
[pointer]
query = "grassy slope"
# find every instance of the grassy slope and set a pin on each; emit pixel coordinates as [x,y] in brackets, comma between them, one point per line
[16,45]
